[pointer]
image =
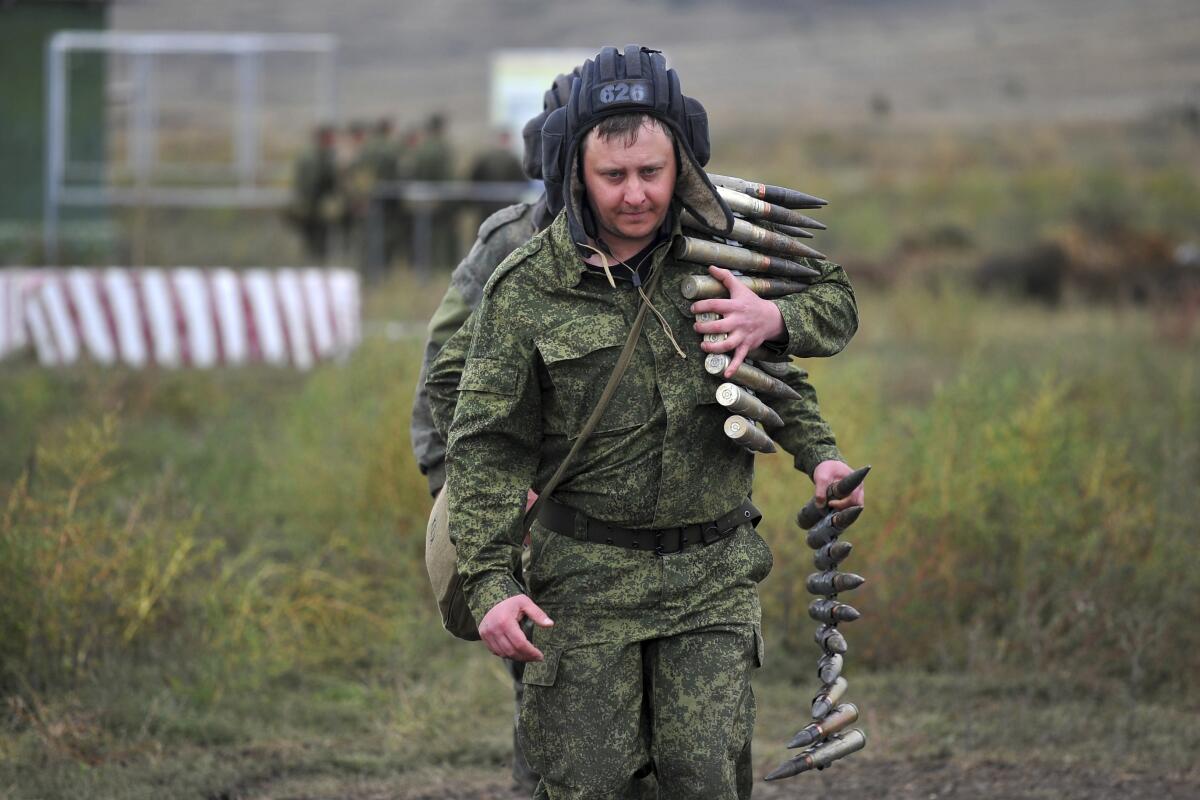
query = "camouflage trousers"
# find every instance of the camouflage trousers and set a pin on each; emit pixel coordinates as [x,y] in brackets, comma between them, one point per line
[647,668]
[523,775]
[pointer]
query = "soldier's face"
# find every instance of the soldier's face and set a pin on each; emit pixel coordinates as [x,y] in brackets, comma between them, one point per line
[629,186]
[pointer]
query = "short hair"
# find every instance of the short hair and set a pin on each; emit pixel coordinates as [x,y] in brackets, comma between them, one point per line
[627,126]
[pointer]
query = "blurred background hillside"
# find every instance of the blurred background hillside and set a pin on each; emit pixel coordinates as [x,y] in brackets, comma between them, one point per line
[211,581]
[761,63]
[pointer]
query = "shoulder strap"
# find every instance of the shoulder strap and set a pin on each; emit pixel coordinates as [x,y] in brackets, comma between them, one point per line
[609,389]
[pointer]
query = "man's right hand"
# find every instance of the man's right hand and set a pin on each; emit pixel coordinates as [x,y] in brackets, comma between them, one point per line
[500,628]
[828,473]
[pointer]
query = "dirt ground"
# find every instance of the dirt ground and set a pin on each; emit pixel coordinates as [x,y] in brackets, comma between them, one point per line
[926,779]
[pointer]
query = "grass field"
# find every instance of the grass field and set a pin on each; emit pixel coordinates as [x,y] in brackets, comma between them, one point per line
[211,583]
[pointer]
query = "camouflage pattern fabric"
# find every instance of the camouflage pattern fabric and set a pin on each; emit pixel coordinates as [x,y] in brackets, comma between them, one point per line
[495,165]
[597,711]
[540,348]
[820,321]
[433,160]
[315,199]
[500,234]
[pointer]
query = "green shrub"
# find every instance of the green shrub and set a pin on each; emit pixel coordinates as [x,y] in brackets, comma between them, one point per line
[84,580]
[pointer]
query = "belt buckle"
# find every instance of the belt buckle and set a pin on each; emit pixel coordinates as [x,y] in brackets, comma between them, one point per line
[663,550]
[709,533]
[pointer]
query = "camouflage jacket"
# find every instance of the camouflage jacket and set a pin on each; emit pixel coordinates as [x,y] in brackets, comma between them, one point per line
[314,178]
[499,235]
[819,322]
[542,345]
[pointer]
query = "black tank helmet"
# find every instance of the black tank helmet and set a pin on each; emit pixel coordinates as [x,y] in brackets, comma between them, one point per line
[556,97]
[616,83]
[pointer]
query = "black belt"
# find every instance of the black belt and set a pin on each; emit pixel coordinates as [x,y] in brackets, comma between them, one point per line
[661,541]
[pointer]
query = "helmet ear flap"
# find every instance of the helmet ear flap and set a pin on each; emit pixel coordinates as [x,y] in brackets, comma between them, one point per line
[696,129]
[554,135]
[531,156]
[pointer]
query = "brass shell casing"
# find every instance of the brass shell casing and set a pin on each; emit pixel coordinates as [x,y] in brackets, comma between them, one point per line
[750,377]
[740,401]
[706,287]
[748,435]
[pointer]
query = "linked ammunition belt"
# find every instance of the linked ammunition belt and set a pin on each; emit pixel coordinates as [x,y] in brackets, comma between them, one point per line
[826,739]
[764,241]
[660,541]
[766,236]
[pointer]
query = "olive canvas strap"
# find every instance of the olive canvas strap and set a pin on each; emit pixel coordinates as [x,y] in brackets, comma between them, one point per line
[609,390]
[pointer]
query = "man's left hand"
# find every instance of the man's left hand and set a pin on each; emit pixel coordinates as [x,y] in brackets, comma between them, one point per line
[828,473]
[747,318]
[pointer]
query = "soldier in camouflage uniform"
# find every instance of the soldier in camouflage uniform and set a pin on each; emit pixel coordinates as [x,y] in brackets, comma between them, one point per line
[355,182]
[381,156]
[433,160]
[496,164]
[500,234]
[647,667]
[314,209]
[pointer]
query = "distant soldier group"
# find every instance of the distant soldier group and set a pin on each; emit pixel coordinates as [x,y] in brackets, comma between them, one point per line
[337,182]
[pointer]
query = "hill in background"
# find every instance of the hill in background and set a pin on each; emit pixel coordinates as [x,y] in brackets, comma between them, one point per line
[760,63]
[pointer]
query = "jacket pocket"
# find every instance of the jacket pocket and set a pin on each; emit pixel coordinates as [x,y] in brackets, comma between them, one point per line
[579,357]
[544,672]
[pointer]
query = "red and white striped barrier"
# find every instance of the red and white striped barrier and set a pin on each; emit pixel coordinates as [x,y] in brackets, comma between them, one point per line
[189,317]
[12,317]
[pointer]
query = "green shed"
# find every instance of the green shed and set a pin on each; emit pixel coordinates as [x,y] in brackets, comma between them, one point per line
[25,28]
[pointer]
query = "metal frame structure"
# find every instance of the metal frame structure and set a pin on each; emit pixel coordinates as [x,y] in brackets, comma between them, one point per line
[246,48]
[420,199]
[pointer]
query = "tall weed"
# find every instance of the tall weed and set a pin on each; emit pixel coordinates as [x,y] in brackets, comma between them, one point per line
[1027,504]
[84,579]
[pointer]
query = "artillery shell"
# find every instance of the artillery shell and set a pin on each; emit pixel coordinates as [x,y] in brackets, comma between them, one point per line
[832,554]
[757,237]
[812,513]
[830,582]
[790,230]
[750,377]
[842,488]
[752,207]
[742,259]
[841,717]
[822,755]
[761,238]
[740,401]
[829,666]
[830,640]
[832,612]
[705,287]
[827,698]
[831,526]
[748,435]
[765,191]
